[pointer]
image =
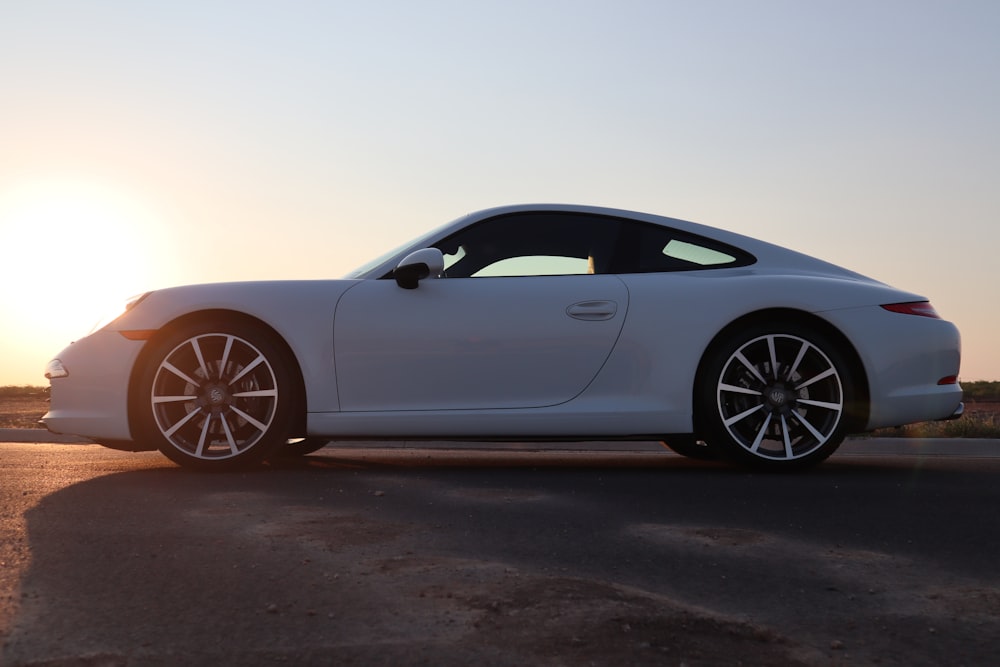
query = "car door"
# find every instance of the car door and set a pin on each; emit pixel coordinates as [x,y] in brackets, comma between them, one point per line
[474,343]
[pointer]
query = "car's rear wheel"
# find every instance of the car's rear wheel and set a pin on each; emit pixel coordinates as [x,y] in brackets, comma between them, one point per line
[776,396]
[217,395]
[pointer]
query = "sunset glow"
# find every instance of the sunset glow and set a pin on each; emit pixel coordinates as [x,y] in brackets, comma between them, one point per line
[144,145]
[80,250]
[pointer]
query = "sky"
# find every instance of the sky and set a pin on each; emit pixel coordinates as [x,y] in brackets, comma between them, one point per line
[144,145]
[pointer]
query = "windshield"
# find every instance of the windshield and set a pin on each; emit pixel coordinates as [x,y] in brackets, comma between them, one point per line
[421,241]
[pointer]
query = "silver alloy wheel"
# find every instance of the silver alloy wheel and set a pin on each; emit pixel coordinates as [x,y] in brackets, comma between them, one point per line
[780,397]
[214,396]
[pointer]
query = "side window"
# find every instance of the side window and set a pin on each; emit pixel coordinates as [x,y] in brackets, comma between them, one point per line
[536,265]
[696,254]
[547,243]
[531,244]
[646,248]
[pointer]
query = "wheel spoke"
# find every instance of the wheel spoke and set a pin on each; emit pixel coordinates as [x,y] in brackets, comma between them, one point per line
[836,407]
[260,426]
[743,415]
[798,360]
[173,399]
[246,369]
[761,433]
[229,435]
[225,355]
[750,367]
[774,360]
[812,429]
[785,437]
[816,378]
[179,373]
[201,358]
[203,437]
[188,417]
[255,393]
[740,390]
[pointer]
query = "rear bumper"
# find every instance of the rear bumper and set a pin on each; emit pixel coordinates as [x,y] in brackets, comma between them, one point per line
[905,363]
[959,411]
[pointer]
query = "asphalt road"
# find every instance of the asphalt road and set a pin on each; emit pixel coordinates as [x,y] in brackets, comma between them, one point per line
[500,555]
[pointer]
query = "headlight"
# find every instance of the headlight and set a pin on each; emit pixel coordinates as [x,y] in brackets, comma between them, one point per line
[130,303]
[55,369]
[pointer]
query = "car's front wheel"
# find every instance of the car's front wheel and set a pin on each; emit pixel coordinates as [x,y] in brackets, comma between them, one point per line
[216,395]
[778,396]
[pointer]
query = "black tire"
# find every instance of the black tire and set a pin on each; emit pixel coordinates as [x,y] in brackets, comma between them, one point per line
[301,447]
[691,448]
[216,394]
[778,396]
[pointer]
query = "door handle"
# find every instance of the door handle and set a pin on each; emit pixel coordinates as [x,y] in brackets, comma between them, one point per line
[592,310]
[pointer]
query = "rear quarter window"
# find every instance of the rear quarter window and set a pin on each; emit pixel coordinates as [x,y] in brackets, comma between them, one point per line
[648,248]
[696,254]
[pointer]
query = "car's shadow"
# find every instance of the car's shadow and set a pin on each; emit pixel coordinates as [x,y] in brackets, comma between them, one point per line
[568,459]
[344,547]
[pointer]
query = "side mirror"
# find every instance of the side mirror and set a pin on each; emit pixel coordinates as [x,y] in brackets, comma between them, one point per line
[419,264]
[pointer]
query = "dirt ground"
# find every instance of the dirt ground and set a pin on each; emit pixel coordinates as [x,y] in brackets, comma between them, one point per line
[982,407]
[23,411]
[386,561]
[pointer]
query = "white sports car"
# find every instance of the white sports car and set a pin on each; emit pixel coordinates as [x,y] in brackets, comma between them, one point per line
[543,322]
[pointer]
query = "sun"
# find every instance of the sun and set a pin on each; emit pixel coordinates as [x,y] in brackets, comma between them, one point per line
[69,253]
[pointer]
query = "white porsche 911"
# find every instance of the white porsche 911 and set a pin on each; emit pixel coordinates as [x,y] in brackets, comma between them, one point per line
[543,322]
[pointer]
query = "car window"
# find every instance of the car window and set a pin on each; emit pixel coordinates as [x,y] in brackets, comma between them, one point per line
[695,254]
[646,248]
[537,243]
[546,243]
[536,265]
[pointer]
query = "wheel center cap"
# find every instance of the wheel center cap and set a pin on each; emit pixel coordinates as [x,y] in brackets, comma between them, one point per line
[778,397]
[216,396]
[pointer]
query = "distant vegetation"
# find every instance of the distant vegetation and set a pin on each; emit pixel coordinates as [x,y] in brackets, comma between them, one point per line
[981,391]
[22,391]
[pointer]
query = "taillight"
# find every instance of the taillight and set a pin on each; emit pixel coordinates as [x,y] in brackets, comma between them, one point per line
[921,308]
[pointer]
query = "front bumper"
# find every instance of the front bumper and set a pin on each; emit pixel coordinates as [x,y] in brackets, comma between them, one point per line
[91,399]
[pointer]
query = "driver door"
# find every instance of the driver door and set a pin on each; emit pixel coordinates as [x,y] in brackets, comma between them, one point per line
[474,343]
